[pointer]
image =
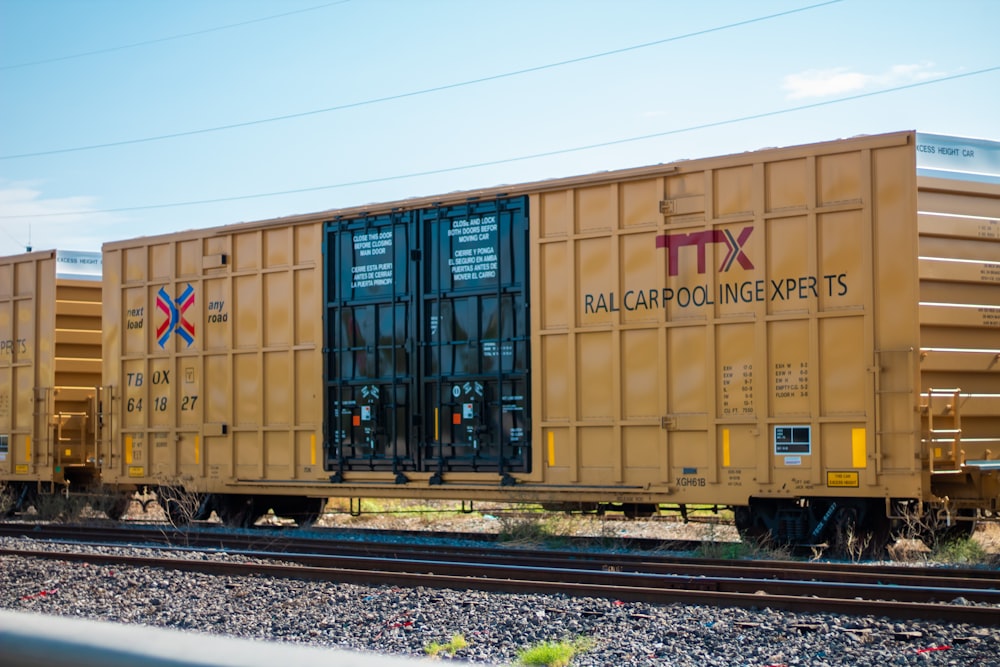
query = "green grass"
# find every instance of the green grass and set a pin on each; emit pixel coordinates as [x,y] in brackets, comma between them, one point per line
[553,654]
[962,551]
[712,547]
[551,529]
[456,644]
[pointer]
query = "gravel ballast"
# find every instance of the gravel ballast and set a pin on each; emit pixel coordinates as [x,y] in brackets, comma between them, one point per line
[391,620]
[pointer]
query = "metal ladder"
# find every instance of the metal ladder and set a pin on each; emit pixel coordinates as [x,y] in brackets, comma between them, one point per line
[951,435]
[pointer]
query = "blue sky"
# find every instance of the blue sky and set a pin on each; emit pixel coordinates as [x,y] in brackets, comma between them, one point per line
[110,110]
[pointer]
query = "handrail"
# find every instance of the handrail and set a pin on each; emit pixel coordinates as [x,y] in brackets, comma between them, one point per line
[30,640]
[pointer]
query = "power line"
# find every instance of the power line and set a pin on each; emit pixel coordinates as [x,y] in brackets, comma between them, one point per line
[521,158]
[17,240]
[170,38]
[415,93]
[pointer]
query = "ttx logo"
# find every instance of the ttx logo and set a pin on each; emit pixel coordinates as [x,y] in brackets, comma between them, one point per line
[175,321]
[701,240]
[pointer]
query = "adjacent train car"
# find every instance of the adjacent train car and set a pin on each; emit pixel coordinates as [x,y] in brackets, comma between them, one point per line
[807,335]
[50,374]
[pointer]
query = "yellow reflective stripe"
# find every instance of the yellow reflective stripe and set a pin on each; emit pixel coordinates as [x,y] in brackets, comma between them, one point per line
[859,455]
[725,448]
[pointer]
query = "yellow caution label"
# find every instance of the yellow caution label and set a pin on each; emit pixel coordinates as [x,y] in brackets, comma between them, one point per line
[69,452]
[842,480]
[20,469]
[136,471]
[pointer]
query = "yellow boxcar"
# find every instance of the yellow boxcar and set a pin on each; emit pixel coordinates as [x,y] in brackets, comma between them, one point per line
[50,373]
[213,361]
[811,322]
[806,334]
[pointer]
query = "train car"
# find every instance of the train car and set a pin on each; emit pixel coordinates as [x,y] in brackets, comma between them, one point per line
[50,375]
[807,335]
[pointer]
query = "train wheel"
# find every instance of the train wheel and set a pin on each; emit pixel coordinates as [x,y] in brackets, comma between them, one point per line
[8,501]
[757,523]
[237,511]
[859,531]
[312,509]
[639,510]
[118,506]
[24,496]
[881,532]
[304,511]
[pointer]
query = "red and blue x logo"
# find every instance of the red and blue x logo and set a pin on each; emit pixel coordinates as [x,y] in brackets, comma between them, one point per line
[174,309]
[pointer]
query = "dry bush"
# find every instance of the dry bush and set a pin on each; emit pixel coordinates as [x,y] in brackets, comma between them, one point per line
[908,550]
[60,507]
[180,504]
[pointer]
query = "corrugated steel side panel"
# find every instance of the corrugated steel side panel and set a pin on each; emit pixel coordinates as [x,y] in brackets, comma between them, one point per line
[214,356]
[714,330]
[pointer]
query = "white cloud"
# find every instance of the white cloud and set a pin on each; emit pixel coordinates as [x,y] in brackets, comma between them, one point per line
[842,81]
[63,223]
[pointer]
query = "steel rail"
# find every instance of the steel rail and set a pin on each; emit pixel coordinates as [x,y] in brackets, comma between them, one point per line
[303,548]
[799,596]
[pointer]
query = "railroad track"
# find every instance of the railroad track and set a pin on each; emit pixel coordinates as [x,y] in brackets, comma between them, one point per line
[162,532]
[955,595]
